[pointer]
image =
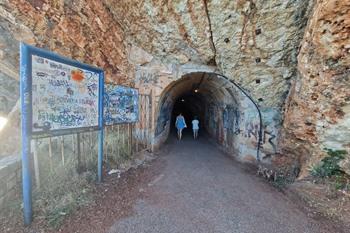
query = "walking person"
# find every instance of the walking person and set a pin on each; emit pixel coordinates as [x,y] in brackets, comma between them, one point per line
[195,127]
[180,124]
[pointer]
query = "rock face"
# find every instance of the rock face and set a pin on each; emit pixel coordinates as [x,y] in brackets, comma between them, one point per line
[254,43]
[318,108]
[262,45]
[257,43]
[83,30]
[176,31]
[249,40]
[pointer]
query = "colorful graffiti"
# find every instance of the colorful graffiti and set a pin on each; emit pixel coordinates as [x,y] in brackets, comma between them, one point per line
[63,96]
[120,104]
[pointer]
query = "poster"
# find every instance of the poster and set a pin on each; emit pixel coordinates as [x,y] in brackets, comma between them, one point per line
[63,96]
[120,104]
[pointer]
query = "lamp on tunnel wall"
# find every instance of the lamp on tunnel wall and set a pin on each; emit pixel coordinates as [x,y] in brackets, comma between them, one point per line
[196,90]
[182,100]
[256,106]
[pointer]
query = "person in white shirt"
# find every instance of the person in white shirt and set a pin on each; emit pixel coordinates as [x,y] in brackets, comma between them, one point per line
[195,127]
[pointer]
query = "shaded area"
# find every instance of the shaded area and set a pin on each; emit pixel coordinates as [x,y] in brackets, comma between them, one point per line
[203,95]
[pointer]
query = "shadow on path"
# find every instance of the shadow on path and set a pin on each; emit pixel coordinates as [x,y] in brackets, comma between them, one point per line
[199,189]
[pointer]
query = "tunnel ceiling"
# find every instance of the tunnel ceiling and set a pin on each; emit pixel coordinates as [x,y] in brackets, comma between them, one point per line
[210,87]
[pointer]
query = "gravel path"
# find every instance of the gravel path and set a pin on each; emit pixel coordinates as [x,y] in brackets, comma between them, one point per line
[199,189]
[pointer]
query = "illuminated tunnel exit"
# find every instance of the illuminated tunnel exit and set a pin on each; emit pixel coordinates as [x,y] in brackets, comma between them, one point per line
[221,108]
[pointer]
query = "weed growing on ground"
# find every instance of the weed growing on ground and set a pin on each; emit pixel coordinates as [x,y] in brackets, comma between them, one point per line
[63,192]
[329,170]
[329,165]
[281,181]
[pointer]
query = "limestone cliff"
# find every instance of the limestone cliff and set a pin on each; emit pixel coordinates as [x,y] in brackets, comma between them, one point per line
[318,108]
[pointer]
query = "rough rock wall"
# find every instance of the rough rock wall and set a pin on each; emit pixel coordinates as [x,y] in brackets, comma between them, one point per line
[176,31]
[82,30]
[257,43]
[253,42]
[318,108]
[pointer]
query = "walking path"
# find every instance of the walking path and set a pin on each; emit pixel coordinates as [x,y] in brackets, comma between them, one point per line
[201,190]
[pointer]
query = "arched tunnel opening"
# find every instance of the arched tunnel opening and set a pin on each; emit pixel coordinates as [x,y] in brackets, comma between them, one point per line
[213,100]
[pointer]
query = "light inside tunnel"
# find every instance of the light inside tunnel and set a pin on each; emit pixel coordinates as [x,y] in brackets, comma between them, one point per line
[3,122]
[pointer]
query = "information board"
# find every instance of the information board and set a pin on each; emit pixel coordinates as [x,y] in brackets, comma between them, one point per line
[120,104]
[63,96]
[58,96]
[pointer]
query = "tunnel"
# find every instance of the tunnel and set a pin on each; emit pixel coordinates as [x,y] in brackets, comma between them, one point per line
[212,99]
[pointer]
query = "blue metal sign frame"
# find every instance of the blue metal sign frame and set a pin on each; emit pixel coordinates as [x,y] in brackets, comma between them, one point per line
[26,52]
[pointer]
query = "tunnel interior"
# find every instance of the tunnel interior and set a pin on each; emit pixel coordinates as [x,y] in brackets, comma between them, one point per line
[189,105]
[213,100]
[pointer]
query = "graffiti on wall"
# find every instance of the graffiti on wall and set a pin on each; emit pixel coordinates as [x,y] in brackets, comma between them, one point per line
[120,104]
[164,116]
[231,118]
[270,122]
[147,77]
[63,96]
[243,124]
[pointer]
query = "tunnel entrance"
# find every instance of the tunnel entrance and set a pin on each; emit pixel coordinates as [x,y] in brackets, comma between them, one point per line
[213,100]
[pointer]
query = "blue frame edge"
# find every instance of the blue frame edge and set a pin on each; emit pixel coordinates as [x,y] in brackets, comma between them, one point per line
[26,52]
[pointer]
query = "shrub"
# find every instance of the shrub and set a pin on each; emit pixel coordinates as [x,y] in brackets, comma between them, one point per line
[329,165]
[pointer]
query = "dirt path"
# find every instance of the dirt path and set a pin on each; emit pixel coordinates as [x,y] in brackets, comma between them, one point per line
[190,188]
[199,189]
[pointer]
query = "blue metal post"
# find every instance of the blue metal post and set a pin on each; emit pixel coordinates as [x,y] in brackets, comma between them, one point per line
[100,133]
[25,92]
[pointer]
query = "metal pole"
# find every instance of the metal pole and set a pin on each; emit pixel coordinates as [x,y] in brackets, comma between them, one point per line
[50,154]
[62,150]
[25,91]
[73,145]
[36,163]
[79,152]
[91,146]
[118,137]
[131,141]
[257,108]
[101,125]
[113,141]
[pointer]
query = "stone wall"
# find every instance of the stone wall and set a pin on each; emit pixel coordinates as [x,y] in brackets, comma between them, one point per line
[10,180]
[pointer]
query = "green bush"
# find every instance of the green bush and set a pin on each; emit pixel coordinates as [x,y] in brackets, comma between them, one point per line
[329,165]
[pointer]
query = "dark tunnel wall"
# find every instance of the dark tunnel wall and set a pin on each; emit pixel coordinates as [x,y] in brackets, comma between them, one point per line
[224,112]
[191,105]
[198,94]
